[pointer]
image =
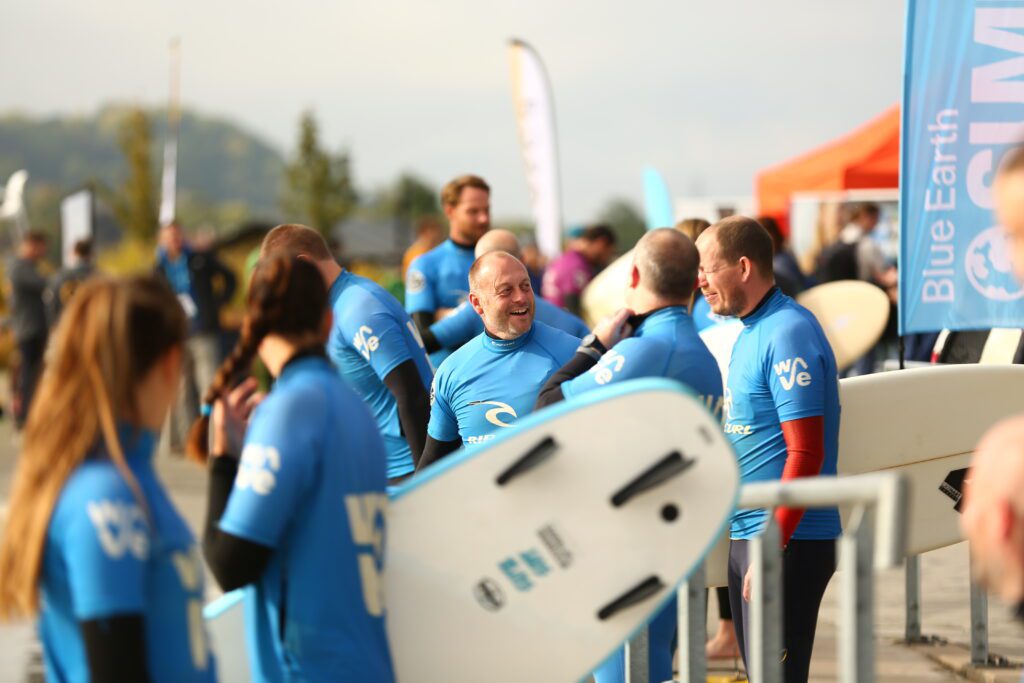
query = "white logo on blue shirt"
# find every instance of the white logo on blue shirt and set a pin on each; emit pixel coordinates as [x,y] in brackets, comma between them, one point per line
[366,514]
[789,367]
[610,363]
[415,282]
[120,528]
[257,467]
[365,342]
[493,414]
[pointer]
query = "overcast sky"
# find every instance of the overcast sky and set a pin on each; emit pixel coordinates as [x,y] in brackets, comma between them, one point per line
[707,91]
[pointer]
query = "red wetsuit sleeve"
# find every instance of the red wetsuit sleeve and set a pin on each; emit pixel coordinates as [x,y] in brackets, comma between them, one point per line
[805,454]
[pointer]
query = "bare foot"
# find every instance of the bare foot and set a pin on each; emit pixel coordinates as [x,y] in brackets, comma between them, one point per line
[723,645]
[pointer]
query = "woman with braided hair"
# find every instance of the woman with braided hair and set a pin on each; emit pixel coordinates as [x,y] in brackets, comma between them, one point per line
[297,496]
[92,534]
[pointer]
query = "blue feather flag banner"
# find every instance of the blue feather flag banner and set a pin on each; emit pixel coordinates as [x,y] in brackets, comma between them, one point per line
[657,200]
[963,107]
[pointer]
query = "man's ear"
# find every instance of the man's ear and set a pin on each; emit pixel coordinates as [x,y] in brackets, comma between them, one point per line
[634,277]
[746,268]
[474,301]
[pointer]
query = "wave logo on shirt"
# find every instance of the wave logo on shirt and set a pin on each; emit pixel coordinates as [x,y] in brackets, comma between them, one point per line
[493,415]
[120,528]
[257,469]
[789,374]
[611,363]
[365,341]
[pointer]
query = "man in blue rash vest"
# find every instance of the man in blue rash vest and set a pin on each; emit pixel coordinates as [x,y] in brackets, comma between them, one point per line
[375,346]
[781,414]
[465,323]
[653,337]
[494,379]
[438,281]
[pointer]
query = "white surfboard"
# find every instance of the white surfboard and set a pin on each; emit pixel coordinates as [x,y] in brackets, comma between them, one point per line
[536,556]
[853,315]
[925,424]
[606,293]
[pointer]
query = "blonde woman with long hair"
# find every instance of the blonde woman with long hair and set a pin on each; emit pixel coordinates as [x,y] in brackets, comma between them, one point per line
[93,544]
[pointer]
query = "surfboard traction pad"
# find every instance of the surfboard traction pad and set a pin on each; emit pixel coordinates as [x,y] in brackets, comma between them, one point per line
[606,526]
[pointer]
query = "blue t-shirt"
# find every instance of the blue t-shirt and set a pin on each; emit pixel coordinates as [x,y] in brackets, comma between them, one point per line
[371,336]
[666,344]
[104,557]
[465,323]
[438,279]
[490,383]
[311,485]
[782,369]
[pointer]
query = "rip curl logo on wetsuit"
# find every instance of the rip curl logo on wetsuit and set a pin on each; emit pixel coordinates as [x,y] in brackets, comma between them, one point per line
[788,372]
[493,415]
[257,469]
[365,341]
[727,407]
[120,528]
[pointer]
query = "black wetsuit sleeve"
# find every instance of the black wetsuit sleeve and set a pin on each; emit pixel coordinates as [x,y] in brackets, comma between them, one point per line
[234,561]
[423,320]
[115,648]
[434,450]
[551,392]
[430,343]
[413,401]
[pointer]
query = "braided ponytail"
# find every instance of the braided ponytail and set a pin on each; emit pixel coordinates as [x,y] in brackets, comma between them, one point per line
[287,296]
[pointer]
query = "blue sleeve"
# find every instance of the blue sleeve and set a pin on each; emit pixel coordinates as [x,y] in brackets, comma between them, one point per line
[419,287]
[796,372]
[458,328]
[377,335]
[106,548]
[278,466]
[629,359]
[443,426]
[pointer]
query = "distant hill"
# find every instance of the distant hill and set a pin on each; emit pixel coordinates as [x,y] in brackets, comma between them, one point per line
[218,162]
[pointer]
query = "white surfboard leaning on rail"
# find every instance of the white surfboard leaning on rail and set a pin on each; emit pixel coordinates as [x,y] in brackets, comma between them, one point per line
[923,423]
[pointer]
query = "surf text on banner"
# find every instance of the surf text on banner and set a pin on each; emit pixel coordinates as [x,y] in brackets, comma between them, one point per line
[963,106]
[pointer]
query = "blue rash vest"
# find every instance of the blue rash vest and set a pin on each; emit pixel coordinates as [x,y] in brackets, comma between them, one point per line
[106,556]
[782,369]
[490,383]
[311,486]
[438,279]
[370,337]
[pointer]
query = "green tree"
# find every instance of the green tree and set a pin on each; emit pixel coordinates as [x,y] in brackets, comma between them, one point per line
[135,205]
[622,216]
[318,185]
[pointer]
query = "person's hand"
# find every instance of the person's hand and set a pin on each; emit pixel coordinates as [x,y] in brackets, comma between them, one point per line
[614,328]
[747,581]
[230,417]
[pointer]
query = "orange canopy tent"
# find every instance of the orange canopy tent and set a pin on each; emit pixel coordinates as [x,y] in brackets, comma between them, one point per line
[867,158]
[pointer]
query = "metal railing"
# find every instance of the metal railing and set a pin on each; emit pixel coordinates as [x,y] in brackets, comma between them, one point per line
[874,538]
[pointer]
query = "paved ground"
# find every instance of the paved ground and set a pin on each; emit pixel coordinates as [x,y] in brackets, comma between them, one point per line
[945,599]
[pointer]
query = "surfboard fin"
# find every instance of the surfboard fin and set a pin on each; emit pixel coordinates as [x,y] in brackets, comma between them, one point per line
[535,456]
[635,595]
[671,465]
